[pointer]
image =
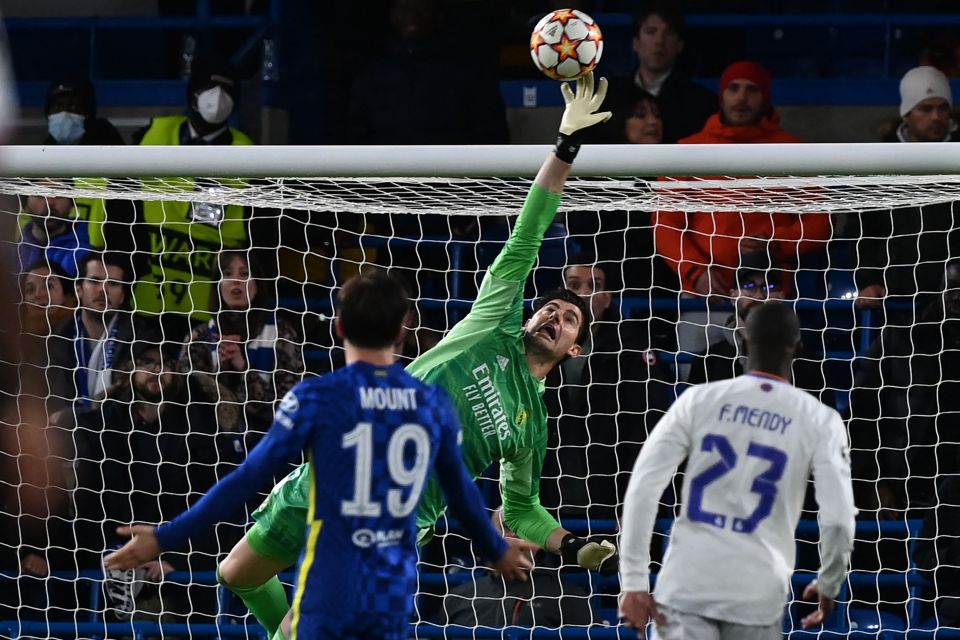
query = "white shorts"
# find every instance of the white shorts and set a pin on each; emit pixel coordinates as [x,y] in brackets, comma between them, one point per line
[688,626]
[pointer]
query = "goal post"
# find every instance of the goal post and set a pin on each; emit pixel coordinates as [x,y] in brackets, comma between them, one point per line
[823,159]
[438,215]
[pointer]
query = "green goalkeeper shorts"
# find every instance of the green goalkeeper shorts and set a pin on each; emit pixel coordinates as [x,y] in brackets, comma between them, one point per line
[280,523]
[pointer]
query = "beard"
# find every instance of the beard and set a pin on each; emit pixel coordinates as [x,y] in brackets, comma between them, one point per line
[148,392]
[535,346]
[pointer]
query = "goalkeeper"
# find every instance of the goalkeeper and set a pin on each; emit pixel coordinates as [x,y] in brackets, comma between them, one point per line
[493,366]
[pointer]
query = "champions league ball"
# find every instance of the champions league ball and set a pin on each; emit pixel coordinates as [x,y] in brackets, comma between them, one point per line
[566,44]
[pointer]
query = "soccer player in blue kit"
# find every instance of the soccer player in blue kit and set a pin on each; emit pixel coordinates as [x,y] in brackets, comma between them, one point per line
[373,432]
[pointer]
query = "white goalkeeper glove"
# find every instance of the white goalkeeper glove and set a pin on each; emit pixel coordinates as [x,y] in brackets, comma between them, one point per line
[580,112]
[591,554]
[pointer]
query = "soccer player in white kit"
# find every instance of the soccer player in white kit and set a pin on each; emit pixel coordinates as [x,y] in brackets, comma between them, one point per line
[751,444]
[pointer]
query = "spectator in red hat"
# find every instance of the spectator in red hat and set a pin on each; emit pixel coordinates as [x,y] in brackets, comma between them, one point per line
[746,113]
[704,248]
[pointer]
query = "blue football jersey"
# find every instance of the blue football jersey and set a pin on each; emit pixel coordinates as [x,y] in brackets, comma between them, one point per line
[373,435]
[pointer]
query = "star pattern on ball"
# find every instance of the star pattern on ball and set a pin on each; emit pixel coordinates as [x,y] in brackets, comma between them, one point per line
[567,48]
[536,40]
[564,15]
[594,34]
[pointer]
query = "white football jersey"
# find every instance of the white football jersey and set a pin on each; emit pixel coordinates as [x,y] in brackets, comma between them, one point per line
[751,444]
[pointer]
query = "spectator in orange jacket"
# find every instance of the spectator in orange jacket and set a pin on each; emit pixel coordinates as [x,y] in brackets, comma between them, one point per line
[705,248]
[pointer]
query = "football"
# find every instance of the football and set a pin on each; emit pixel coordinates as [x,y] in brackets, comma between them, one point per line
[566,44]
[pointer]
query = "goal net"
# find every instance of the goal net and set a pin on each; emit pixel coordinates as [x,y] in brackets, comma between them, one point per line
[227,282]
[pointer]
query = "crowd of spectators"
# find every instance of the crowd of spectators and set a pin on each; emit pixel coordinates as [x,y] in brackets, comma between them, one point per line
[165,350]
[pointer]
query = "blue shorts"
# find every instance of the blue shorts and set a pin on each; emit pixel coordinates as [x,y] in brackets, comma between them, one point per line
[354,626]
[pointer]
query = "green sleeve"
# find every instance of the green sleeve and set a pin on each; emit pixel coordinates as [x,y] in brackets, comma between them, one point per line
[519,254]
[520,488]
[499,303]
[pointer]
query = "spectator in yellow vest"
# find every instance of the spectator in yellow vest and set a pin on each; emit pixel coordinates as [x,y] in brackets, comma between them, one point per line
[183,239]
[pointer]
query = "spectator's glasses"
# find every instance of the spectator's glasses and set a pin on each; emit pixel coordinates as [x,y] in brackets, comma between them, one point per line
[750,285]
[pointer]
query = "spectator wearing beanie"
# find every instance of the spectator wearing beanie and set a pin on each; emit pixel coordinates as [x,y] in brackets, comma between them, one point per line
[705,248]
[926,103]
[71,111]
[746,113]
[902,253]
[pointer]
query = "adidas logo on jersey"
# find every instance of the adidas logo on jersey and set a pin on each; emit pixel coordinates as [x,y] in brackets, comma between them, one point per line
[503,361]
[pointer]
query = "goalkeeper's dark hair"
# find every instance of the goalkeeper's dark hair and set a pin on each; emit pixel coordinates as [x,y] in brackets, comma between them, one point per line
[773,335]
[372,307]
[568,296]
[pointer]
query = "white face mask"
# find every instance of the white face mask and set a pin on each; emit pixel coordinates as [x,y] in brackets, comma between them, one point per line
[214,105]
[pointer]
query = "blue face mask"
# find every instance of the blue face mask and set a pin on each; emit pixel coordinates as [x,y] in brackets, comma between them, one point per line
[66,127]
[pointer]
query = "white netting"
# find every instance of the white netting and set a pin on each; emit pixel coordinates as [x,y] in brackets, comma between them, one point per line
[307,235]
[504,196]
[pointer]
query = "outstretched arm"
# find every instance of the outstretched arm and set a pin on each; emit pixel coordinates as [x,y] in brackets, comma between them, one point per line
[500,300]
[518,255]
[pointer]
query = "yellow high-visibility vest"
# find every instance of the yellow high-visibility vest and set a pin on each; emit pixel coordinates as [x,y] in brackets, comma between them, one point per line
[185,238]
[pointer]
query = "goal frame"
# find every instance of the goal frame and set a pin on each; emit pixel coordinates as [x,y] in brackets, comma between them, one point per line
[774,160]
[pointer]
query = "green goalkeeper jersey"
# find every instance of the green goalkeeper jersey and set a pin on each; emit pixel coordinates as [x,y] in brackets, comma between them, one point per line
[482,364]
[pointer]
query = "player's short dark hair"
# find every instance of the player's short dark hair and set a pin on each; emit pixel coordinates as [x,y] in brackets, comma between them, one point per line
[371,308]
[773,331]
[568,296]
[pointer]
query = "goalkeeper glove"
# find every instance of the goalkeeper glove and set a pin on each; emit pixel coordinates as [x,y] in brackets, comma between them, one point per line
[579,114]
[590,554]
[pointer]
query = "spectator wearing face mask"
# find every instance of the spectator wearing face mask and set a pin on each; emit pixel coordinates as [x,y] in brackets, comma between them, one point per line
[213,94]
[72,116]
[71,111]
[190,235]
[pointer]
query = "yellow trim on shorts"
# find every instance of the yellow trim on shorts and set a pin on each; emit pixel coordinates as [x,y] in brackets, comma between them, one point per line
[308,557]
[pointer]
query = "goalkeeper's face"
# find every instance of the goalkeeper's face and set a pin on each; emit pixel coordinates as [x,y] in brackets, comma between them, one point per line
[552,331]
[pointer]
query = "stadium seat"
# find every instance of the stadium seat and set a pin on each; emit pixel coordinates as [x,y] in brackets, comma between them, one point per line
[874,621]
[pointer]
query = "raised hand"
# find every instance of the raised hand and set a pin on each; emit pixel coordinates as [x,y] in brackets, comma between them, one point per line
[581,109]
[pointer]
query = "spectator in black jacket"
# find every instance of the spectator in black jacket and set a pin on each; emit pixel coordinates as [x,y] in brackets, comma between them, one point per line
[757,281]
[658,43]
[146,453]
[605,401]
[71,111]
[903,408]
[902,252]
